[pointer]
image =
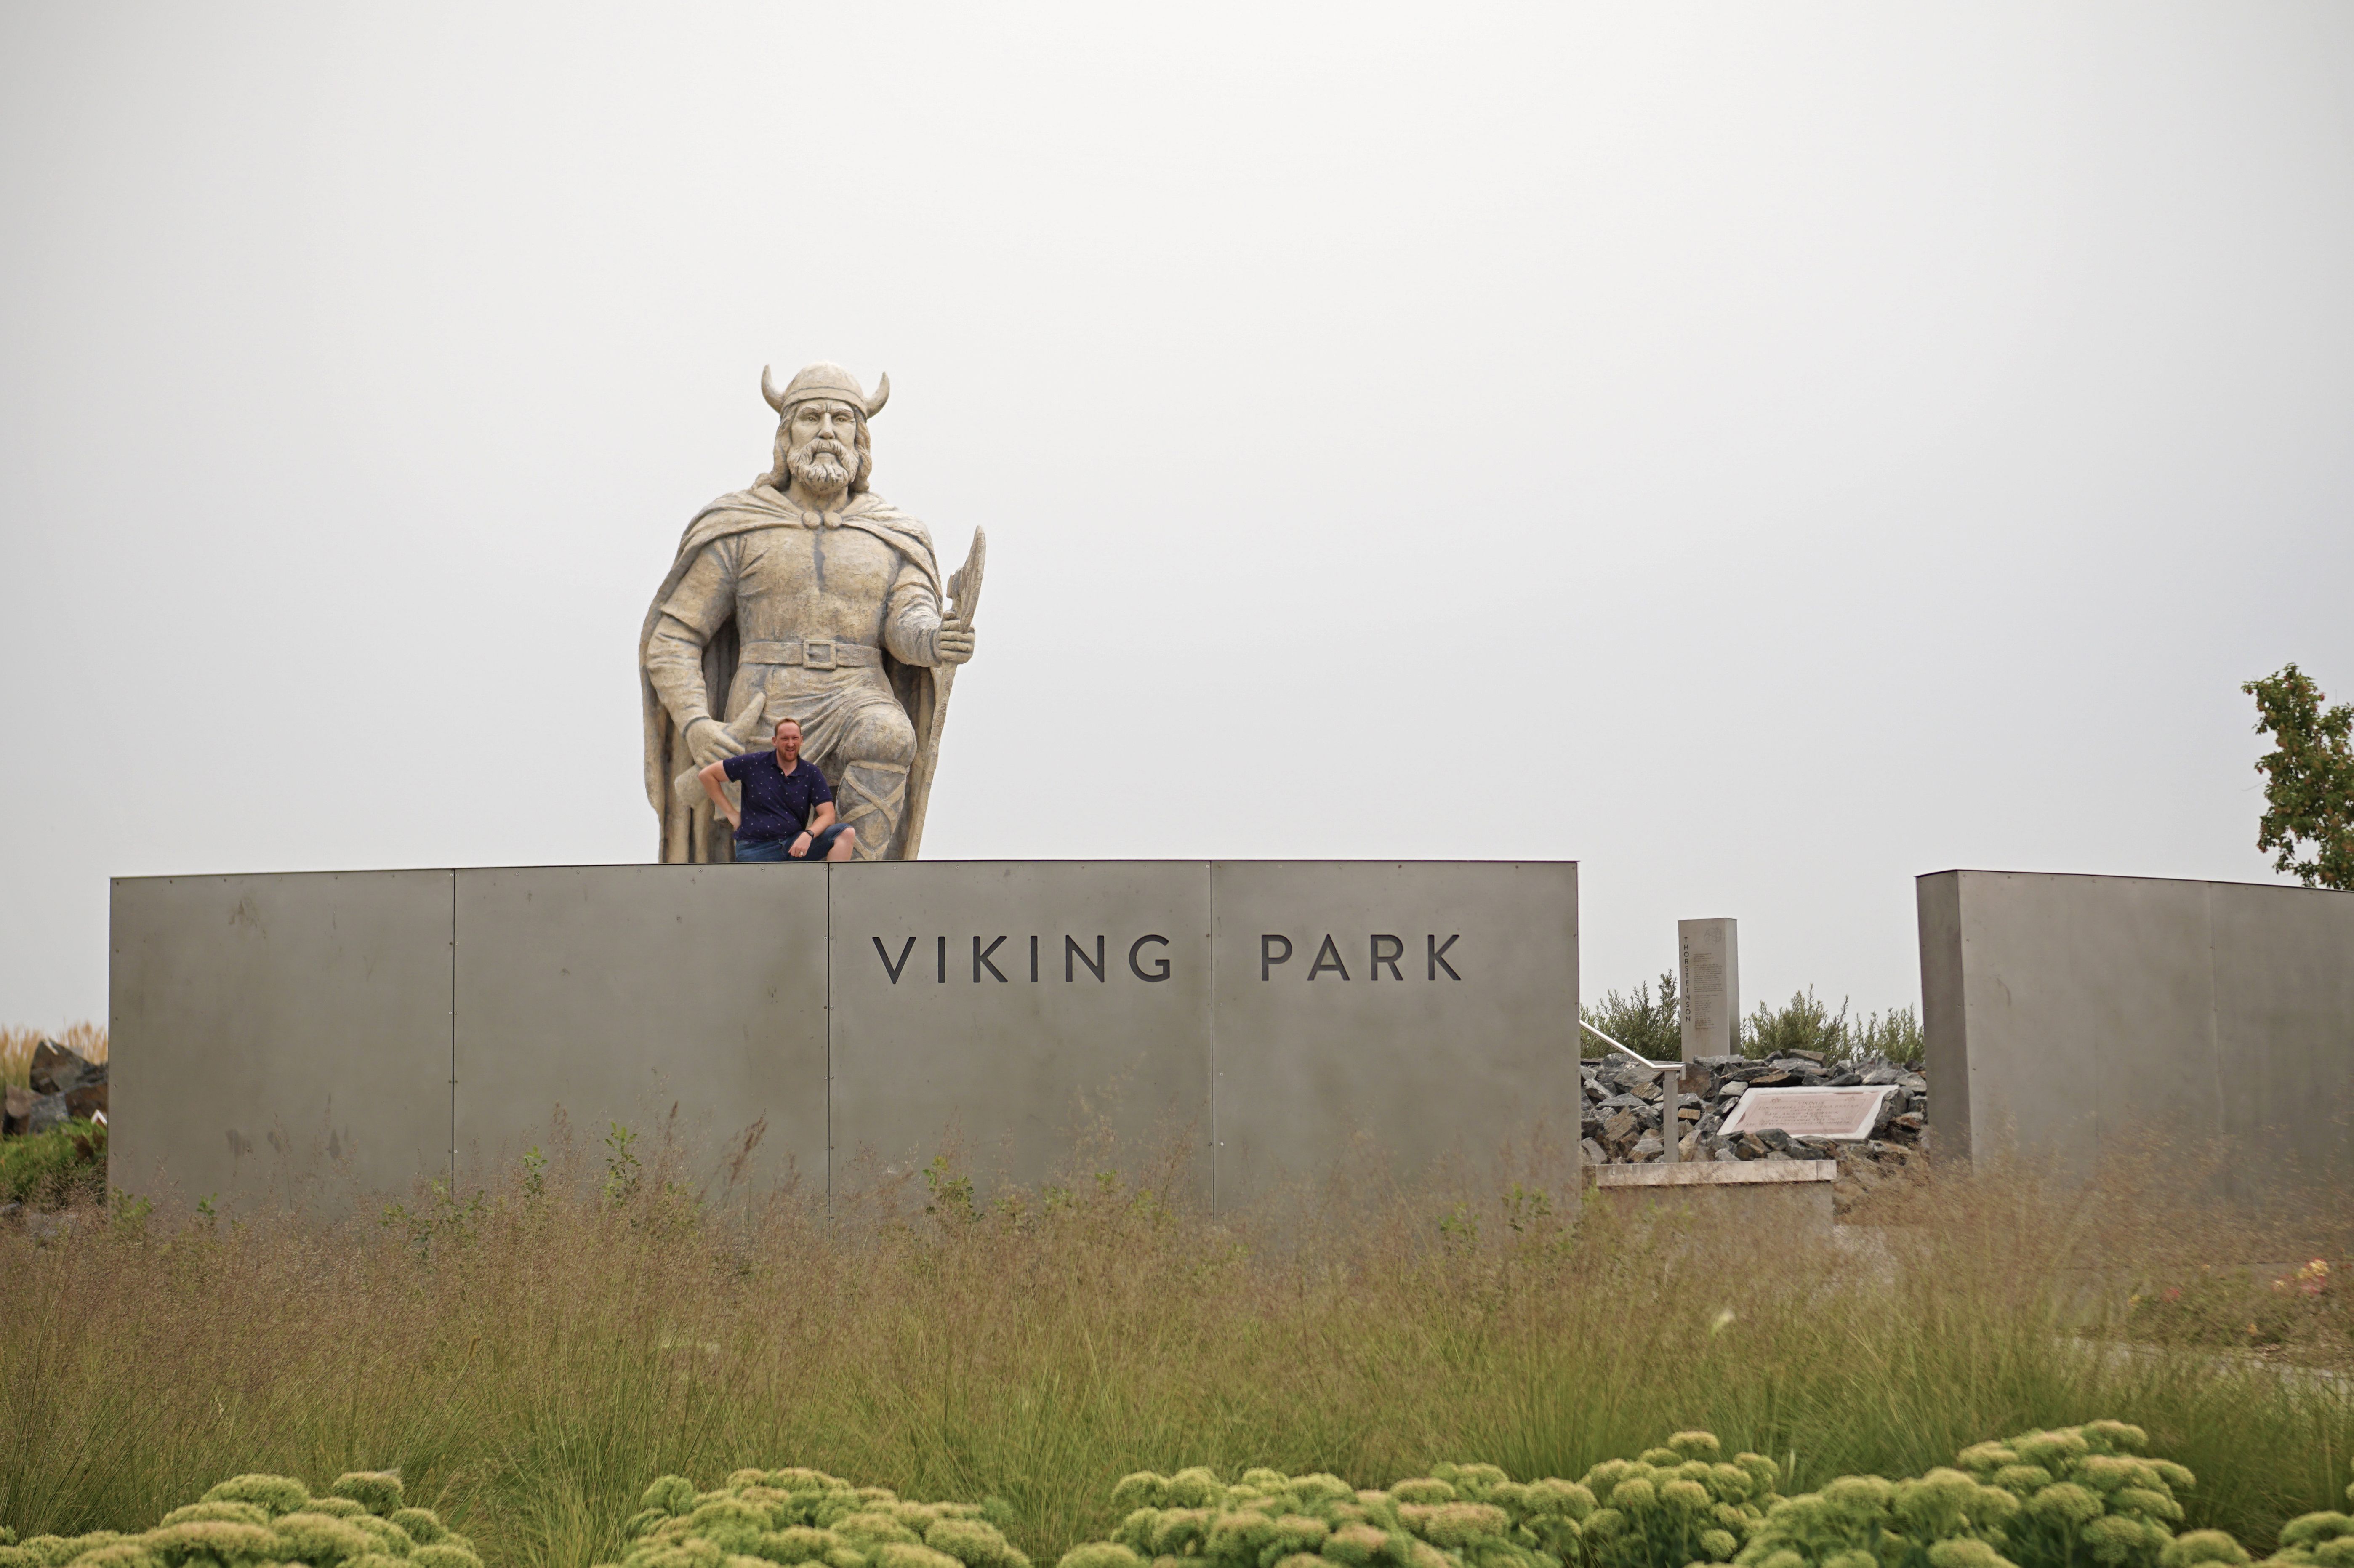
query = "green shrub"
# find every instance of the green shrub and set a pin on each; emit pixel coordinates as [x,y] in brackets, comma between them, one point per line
[2080,1496]
[56,1166]
[1646,1026]
[247,1521]
[2085,1492]
[1648,1022]
[1807,1023]
[795,1516]
[1677,1505]
[2324,1538]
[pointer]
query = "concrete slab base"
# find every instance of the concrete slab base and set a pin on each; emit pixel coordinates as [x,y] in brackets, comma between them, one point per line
[1786,1194]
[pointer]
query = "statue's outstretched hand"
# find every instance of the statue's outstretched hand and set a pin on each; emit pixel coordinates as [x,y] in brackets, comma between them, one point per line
[709,741]
[952,643]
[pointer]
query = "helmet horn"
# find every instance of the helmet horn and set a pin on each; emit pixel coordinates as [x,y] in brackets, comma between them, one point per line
[769,390]
[882,396]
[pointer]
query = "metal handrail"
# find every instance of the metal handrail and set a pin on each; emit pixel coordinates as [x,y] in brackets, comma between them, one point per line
[1662,1066]
[1671,1134]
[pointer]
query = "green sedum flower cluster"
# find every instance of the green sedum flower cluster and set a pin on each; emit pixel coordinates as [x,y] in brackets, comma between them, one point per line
[2079,1496]
[1676,1505]
[2325,1538]
[262,1522]
[798,1516]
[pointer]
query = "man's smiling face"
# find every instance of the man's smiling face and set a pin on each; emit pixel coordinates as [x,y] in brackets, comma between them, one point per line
[789,742]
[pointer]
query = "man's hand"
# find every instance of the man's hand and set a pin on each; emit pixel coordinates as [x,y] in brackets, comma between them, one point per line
[952,643]
[798,849]
[714,779]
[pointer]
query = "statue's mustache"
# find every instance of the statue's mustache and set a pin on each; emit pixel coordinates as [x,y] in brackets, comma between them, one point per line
[821,463]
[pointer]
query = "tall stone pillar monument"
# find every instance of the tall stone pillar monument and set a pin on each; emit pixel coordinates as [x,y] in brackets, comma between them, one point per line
[1708,978]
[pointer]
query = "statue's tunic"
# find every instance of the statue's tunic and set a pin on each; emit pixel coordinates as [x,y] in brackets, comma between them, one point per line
[827,609]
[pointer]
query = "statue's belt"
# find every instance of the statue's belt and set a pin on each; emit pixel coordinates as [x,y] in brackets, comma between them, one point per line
[811,652]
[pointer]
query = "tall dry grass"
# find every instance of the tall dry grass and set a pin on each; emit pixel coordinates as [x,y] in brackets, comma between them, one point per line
[16,1047]
[529,1358]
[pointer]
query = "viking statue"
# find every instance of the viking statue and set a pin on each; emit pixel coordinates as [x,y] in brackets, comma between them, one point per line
[805,597]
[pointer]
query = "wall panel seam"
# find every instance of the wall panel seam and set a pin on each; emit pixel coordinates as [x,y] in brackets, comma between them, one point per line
[454,1030]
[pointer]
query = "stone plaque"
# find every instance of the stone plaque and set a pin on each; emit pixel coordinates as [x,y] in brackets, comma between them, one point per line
[1707,962]
[1847,1115]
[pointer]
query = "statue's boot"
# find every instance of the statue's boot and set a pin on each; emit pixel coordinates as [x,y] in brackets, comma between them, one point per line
[870,798]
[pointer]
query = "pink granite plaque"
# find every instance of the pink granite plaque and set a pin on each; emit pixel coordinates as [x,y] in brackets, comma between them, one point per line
[1843,1114]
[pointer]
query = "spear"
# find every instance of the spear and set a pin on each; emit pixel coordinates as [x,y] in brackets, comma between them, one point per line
[964,596]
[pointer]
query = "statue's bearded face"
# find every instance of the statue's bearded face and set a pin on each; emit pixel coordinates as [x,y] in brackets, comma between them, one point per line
[824,448]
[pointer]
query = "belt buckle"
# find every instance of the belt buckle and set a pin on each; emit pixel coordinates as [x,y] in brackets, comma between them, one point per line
[817,653]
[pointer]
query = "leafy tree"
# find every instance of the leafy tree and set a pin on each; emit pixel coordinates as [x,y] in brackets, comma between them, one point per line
[2308,779]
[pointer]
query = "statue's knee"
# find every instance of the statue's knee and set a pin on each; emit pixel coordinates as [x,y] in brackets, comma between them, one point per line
[882,735]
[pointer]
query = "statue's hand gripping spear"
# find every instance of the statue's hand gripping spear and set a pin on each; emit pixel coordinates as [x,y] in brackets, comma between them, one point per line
[964,596]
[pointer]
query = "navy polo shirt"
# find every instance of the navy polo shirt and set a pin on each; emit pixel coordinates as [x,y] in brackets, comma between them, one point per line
[777,804]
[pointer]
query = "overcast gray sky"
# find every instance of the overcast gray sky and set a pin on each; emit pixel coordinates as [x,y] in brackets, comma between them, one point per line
[1761,452]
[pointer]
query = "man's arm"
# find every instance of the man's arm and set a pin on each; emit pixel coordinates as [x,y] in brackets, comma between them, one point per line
[715,784]
[820,818]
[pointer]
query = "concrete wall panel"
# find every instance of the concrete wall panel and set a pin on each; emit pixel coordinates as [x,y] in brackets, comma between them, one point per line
[2074,1014]
[618,992]
[966,995]
[2284,1019]
[1427,1007]
[280,1038]
[1943,1021]
[372,1027]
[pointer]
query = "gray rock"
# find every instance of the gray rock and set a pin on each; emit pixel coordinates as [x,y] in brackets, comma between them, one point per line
[48,1111]
[56,1070]
[1876,1077]
[1649,1148]
[1913,1083]
[1594,1152]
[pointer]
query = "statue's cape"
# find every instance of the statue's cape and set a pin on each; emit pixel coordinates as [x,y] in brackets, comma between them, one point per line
[740,512]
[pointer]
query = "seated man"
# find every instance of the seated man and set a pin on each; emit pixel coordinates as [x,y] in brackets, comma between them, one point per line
[787,806]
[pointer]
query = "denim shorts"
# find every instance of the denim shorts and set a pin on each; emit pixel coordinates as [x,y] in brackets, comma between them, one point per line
[761,850]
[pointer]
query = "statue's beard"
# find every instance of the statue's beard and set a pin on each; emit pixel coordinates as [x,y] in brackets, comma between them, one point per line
[822,471]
